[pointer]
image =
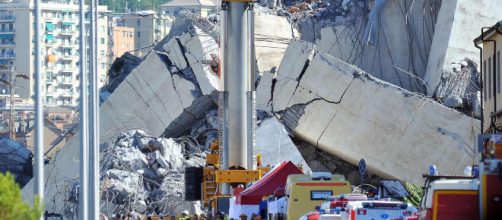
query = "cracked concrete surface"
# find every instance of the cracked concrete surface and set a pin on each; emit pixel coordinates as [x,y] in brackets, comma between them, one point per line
[152,97]
[343,111]
[171,89]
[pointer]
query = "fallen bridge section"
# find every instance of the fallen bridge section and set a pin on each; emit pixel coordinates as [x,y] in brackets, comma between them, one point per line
[159,94]
[351,114]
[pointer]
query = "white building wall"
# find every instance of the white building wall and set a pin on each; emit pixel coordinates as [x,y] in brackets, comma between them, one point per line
[61,81]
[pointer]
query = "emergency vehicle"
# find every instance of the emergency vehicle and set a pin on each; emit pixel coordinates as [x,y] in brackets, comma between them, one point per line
[370,210]
[304,192]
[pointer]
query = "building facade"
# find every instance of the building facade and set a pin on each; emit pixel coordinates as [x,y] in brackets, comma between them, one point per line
[199,7]
[491,74]
[149,29]
[122,41]
[59,47]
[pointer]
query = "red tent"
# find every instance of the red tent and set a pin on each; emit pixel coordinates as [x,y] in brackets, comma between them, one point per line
[266,186]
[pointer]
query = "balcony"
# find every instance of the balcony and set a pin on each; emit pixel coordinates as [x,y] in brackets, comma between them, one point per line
[49,69]
[66,94]
[65,82]
[68,57]
[67,32]
[7,43]
[66,20]
[7,30]
[68,45]
[49,44]
[7,18]
[7,56]
[68,70]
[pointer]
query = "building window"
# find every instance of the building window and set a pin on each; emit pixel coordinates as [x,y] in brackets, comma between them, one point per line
[102,40]
[138,34]
[489,77]
[498,72]
[484,80]
[138,22]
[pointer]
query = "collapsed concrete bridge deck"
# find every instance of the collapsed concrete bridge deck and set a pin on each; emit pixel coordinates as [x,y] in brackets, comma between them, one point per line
[320,99]
[353,115]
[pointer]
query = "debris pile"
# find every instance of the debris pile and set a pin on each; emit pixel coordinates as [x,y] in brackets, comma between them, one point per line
[316,93]
[460,88]
[144,174]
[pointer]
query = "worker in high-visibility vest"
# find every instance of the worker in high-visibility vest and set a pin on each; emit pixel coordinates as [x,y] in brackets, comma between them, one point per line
[184,215]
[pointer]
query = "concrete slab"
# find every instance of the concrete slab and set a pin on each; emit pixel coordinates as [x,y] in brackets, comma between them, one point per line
[275,145]
[364,123]
[175,53]
[151,98]
[293,64]
[264,92]
[271,43]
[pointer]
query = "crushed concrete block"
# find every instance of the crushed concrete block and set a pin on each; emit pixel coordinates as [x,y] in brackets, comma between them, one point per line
[271,43]
[152,98]
[293,64]
[421,133]
[175,53]
[144,190]
[318,78]
[275,145]
[264,92]
[187,91]
[123,186]
[282,93]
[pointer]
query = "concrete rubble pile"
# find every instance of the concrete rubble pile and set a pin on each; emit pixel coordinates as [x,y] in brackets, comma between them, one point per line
[144,174]
[172,88]
[310,100]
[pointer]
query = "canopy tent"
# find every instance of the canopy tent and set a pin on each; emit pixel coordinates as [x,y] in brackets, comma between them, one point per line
[266,186]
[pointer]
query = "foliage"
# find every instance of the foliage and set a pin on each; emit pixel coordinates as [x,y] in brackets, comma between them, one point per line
[11,204]
[133,5]
[416,194]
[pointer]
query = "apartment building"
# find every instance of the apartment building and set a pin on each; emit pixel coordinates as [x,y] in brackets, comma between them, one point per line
[122,41]
[60,48]
[199,7]
[491,73]
[149,29]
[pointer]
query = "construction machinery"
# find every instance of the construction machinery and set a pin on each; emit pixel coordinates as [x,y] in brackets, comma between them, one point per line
[232,161]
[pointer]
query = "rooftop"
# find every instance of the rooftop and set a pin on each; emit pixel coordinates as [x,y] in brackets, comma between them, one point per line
[488,33]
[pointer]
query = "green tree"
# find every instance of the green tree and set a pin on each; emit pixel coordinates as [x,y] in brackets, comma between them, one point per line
[11,204]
